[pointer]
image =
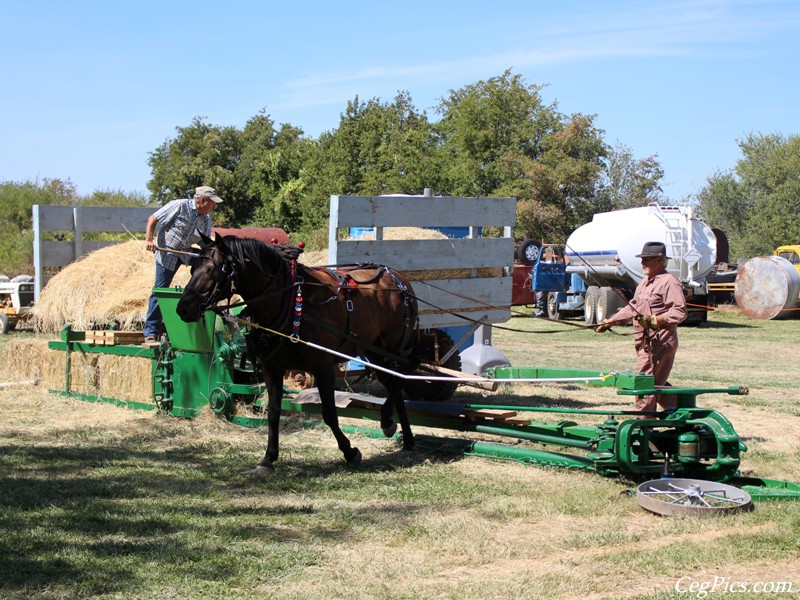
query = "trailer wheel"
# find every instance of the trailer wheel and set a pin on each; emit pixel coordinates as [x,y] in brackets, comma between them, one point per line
[528,251]
[608,303]
[552,307]
[4,323]
[432,346]
[590,305]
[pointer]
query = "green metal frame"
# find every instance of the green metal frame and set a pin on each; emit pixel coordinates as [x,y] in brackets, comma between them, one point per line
[202,365]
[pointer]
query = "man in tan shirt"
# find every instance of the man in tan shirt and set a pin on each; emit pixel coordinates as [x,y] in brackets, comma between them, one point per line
[658,306]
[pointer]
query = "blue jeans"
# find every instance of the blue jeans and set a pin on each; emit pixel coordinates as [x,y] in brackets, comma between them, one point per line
[152,323]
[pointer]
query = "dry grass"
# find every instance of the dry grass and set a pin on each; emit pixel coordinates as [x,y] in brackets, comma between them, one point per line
[436,526]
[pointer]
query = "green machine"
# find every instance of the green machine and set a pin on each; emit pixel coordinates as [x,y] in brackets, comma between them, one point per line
[198,365]
[204,364]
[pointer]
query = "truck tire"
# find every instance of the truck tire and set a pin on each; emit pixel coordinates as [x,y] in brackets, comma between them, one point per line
[608,303]
[552,307]
[590,305]
[528,251]
[4,323]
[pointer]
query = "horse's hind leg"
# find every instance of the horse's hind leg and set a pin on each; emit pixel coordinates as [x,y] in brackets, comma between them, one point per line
[274,382]
[394,399]
[388,426]
[325,386]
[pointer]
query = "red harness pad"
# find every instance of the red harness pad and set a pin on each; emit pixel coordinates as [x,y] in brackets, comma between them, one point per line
[345,280]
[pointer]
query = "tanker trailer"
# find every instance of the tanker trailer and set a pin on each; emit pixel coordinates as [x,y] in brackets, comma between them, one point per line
[603,254]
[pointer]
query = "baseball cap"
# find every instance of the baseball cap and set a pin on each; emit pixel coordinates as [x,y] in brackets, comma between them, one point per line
[208,192]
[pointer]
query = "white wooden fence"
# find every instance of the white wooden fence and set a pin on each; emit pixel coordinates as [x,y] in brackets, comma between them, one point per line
[76,220]
[471,296]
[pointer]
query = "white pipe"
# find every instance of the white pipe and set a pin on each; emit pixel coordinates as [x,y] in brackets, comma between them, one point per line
[450,379]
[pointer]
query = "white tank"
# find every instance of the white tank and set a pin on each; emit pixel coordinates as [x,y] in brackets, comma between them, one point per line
[603,252]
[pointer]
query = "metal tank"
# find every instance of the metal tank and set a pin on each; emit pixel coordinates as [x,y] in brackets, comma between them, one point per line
[767,287]
[603,252]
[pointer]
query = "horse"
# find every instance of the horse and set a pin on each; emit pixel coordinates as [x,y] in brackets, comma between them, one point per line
[367,310]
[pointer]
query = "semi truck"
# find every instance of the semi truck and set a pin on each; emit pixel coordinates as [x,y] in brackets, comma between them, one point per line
[600,270]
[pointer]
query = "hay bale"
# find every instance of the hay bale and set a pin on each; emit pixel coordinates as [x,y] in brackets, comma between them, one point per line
[32,359]
[112,376]
[110,285]
[320,257]
[125,377]
[29,359]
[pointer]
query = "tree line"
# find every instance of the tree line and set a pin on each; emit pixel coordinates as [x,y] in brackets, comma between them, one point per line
[491,138]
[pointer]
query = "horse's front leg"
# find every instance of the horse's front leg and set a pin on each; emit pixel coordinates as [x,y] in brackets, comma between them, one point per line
[274,381]
[325,384]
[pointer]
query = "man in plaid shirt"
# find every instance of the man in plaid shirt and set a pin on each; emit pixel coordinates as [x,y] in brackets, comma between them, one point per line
[176,225]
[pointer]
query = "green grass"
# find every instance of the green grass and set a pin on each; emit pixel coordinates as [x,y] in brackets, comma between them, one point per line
[100,502]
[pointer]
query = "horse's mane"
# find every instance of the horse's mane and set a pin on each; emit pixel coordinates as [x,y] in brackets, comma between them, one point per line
[260,253]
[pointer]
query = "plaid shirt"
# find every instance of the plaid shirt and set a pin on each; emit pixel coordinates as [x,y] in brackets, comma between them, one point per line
[178,223]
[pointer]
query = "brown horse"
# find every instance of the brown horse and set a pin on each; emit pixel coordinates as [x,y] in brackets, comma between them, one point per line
[368,311]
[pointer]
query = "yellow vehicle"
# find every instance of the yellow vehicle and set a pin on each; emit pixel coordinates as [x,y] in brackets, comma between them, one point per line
[790,252]
[16,298]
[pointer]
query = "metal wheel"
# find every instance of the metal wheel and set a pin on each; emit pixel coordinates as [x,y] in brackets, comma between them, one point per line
[674,497]
[4,328]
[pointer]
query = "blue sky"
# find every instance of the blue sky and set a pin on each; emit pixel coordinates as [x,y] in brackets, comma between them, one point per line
[90,88]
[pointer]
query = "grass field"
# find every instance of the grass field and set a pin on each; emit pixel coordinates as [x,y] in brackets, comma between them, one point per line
[101,502]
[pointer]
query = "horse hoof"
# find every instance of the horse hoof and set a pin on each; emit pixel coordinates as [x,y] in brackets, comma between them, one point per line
[390,431]
[265,470]
[355,457]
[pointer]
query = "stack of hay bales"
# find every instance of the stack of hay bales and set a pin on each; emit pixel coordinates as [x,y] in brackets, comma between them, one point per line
[110,285]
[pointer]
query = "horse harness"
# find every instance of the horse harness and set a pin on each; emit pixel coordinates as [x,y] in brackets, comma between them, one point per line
[290,315]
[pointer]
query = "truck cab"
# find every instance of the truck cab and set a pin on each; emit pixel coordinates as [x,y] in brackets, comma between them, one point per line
[790,252]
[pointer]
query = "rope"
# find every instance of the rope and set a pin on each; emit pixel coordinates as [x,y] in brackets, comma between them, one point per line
[476,379]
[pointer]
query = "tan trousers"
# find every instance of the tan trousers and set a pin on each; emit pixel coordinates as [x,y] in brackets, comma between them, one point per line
[663,350]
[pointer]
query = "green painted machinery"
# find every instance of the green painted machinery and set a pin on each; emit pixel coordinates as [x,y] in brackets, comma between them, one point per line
[200,365]
[204,364]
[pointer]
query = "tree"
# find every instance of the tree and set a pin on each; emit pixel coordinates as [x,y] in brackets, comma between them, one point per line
[270,172]
[630,182]
[486,128]
[499,139]
[378,148]
[201,154]
[758,203]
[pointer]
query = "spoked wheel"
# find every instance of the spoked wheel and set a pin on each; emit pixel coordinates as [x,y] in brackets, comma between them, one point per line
[695,497]
[432,348]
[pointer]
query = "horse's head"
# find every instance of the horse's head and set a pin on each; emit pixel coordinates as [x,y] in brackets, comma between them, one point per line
[211,280]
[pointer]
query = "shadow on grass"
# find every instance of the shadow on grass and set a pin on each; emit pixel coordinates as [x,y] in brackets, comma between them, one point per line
[725,325]
[86,519]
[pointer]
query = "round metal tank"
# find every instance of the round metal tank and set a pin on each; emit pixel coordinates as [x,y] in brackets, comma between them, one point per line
[767,287]
[608,245]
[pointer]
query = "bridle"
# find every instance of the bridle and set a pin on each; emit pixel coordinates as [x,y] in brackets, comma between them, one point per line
[223,287]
